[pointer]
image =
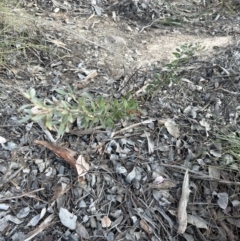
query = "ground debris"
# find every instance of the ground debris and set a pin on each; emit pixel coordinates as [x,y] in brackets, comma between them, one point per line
[169,173]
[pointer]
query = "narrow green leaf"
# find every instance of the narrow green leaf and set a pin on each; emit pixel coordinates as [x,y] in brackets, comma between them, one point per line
[64,112]
[177,55]
[93,105]
[109,122]
[70,118]
[85,122]
[61,92]
[26,95]
[37,102]
[48,121]
[61,130]
[56,122]
[102,122]
[115,103]
[125,103]
[24,107]
[50,102]
[96,120]
[32,93]
[87,95]
[38,117]
[64,119]
[67,128]
[28,111]
[70,90]
[64,104]
[25,119]
[80,101]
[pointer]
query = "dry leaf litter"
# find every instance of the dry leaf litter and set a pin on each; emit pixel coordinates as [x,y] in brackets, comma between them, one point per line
[162,175]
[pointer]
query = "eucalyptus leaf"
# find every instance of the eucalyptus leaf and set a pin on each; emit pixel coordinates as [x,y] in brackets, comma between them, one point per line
[25,119]
[93,105]
[64,104]
[48,121]
[61,130]
[26,95]
[39,117]
[25,106]
[32,93]
[70,118]
[125,103]
[64,112]
[177,55]
[61,92]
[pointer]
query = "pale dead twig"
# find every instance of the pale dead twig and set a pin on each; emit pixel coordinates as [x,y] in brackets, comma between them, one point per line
[6,179]
[127,128]
[45,224]
[87,131]
[28,194]
[150,25]
[230,92]
[132,126]
[196,175]
[114,134]
[182,208]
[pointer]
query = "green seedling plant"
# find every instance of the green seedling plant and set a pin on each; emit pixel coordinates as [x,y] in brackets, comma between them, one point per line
[231,144]
[59,113]
[182,55]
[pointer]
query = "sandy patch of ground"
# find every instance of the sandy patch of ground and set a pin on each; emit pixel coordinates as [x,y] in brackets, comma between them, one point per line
[153,45]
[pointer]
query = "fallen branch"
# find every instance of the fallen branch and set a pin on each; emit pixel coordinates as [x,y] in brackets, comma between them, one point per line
[65,153]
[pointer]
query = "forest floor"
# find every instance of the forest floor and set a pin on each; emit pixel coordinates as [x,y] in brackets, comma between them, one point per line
[165,74]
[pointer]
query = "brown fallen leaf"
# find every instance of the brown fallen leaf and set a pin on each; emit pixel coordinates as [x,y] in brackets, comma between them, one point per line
[59,190]
[82,231]
[182,207]
[145,227]
[63,152]
[166,184]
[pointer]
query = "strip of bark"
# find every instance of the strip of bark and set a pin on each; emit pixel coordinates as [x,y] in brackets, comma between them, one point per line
[182,208]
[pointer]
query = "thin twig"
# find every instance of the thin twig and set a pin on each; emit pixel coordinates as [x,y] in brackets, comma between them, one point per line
[196,175]
[133,125]
[25,194]
[230,92]
[3,181]
[89,131]
[150,25]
